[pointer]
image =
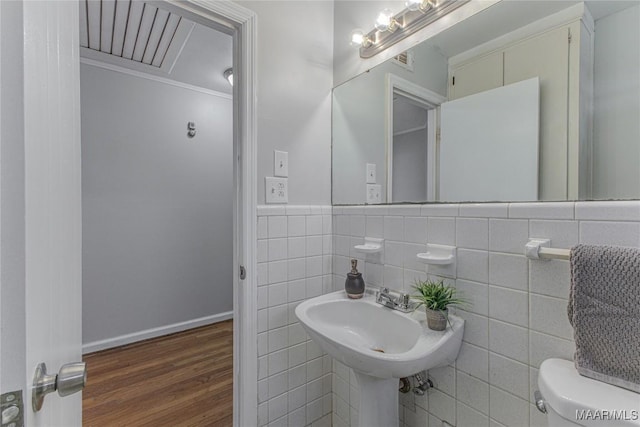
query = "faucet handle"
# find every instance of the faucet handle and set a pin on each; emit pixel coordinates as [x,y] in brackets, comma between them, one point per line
[404,300]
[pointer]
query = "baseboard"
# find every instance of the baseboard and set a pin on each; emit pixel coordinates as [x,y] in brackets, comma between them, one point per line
[154,332]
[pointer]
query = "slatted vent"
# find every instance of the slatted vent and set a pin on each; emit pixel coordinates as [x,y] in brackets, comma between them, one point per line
[405,59]
[128,29]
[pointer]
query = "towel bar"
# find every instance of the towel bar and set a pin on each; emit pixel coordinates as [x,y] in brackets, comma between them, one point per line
[540,249]
[553,253]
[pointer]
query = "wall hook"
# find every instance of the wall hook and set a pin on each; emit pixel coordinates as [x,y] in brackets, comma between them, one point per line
[191,126]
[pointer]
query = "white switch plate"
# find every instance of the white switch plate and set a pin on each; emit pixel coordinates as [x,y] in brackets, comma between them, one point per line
[371,173]
[374,194]
[276,190]
[280,163]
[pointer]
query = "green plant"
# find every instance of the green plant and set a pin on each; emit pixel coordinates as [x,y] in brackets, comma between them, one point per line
[436,295]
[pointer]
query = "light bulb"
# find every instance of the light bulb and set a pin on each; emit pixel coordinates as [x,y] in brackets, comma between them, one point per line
[383,22]
[413,5]
[357,37]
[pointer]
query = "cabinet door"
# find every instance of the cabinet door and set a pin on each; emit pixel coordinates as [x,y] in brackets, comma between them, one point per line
[547,57]
[478,76]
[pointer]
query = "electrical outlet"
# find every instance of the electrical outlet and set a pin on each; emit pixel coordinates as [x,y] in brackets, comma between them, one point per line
[280,163]
[374,194]
[371,173]
[276,190]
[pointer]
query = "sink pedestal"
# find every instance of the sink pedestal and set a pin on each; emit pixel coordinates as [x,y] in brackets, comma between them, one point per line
[378,401]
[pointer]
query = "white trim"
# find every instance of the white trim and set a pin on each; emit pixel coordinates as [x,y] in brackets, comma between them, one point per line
[154,332]
[429,100]
[143,75]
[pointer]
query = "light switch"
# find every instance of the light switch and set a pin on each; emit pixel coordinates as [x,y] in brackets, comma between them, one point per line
[280,163]
[276,190]
[371,173]
[374,194]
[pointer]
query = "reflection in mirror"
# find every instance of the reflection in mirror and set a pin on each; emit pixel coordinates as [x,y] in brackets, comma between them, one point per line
[586,57]
[410,166]
[497,145]
[411,140]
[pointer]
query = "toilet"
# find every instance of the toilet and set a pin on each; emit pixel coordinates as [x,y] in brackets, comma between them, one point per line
[570,399]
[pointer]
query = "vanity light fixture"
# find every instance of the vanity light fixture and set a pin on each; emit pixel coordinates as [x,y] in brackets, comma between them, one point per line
[421,5]
[228,74]
[386,21]
[390,29]
[359,39]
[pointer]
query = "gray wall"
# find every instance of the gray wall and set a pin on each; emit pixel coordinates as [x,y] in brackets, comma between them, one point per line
[410,176]
[295,69]
[616,127]
[157,205]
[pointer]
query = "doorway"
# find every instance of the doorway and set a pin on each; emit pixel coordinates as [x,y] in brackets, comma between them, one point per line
[48,133]
[157,190]
[412,128]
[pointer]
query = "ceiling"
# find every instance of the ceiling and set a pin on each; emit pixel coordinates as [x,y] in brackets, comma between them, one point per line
[142,37]
[509,15]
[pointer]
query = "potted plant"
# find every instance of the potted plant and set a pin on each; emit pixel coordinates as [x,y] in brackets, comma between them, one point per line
[436,298]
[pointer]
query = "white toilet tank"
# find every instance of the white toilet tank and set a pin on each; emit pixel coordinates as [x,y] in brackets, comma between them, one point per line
[573,400]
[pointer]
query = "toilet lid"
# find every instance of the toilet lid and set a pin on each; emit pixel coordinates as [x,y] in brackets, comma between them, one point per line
[571,395]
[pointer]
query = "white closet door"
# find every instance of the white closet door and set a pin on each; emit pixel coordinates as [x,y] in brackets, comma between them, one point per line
[489,145]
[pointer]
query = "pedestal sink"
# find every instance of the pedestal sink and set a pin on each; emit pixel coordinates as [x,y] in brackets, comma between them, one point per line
[380,345]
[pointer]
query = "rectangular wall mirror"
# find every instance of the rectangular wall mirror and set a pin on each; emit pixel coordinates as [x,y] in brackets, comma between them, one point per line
[441,122]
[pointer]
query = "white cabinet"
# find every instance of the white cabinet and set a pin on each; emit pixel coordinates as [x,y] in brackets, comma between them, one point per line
[484,73]
[561,57]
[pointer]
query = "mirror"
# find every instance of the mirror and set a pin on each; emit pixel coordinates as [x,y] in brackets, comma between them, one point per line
[404,130]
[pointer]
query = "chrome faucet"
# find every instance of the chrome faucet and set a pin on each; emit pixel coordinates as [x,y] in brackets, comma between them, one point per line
[402,302]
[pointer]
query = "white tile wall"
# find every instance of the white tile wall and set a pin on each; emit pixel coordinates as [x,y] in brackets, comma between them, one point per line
[517,317]
[294,263]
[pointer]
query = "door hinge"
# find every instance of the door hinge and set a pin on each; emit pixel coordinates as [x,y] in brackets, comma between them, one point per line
[453,81]
[243,272]
[569,37]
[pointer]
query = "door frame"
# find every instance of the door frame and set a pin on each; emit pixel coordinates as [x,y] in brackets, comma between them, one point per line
[430,101]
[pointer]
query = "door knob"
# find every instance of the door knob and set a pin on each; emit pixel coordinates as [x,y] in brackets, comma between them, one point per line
[71,378]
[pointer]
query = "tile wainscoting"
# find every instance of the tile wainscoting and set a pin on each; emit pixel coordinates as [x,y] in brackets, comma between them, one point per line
[517,317]
[518,312]
[294,263]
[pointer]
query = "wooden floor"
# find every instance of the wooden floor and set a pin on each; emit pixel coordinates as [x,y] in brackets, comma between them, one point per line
[184,379]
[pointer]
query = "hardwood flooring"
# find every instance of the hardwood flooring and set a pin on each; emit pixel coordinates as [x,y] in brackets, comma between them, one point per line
[183,379]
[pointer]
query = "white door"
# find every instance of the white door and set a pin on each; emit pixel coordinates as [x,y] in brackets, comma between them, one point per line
[489,145]
[40,207]
[52,191]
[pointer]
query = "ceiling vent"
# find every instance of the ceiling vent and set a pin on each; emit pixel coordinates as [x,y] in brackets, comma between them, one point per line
[131,30]
[405,60]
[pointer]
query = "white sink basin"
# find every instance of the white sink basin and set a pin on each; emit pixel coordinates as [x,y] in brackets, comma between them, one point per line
[354,332]
[380,345]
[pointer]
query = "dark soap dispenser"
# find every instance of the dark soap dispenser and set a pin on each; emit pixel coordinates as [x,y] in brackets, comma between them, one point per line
[354,285]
